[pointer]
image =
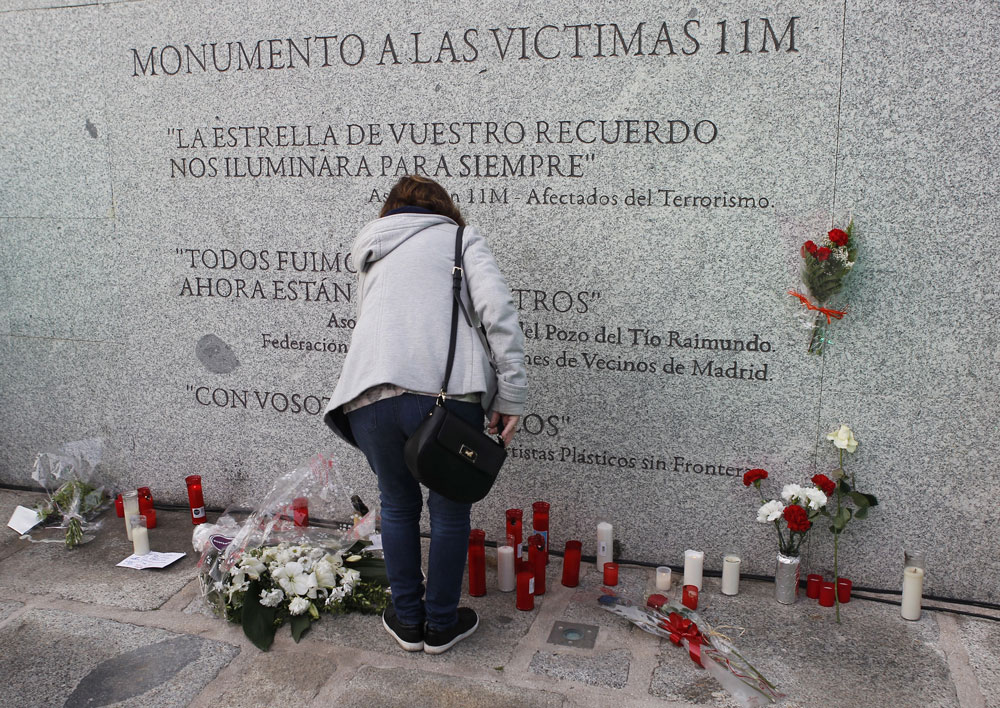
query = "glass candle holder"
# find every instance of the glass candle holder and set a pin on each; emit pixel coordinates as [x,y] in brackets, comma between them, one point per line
[536,559]
[656,601]
[826,594]
[730,574]
[689,597]
[610,574]
[140,537]
[813,581]
[300,511]
[196,499]
[663,575]
[540,523]
[477,563]
[146,506]
[571,564]
[525,581]
[119,507]
[844,590]
[514,518]
[130,505]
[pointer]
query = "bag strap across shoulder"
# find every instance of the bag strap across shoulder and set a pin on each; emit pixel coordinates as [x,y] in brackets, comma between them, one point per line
[456,287]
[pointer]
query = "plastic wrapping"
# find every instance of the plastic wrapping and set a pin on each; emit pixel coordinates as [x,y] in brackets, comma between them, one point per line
[69,475]
[301,551]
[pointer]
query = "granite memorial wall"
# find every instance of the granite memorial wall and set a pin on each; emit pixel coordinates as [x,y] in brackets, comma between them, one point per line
[182,183]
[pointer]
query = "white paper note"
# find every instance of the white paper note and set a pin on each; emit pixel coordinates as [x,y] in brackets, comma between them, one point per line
[24,519]
[153,559]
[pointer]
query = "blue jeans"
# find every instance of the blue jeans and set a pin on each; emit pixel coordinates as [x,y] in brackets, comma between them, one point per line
[381,429]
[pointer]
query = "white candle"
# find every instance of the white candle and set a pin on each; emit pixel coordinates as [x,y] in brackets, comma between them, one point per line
[913,588]
[730,575]
[693,562]
[605,544]
[663,578]
[506,579]
[130,503]
[140,536]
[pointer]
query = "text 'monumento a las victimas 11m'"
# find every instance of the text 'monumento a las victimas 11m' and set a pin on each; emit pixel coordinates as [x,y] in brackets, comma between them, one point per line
[184,181]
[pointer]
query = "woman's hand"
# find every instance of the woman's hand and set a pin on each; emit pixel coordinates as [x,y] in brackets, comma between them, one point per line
[509,426]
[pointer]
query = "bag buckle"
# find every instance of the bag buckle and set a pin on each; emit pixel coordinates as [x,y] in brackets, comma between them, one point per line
[468,453]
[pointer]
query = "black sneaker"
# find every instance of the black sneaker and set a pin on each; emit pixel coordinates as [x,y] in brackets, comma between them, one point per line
[438,641]
[408,636]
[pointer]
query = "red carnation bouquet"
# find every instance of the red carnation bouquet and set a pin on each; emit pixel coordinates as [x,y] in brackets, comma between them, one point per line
[823,271]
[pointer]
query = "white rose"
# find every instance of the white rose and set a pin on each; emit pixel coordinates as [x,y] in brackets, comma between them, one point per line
[770,511]
[843,438]
[252,566]
[298,605]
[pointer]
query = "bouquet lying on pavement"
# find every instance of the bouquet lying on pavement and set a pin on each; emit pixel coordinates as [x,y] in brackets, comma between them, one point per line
[68,474]
[280,565]
[707,648]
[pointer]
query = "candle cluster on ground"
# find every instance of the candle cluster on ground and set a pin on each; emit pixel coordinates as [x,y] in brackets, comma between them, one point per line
[136,507]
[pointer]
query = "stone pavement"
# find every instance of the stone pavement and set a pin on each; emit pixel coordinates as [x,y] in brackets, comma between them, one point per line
[77,631]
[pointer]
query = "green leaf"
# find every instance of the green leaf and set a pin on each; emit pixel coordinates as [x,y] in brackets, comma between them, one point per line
[372,570]
[872,501]
[258,620]
[860,499]
[861,513]
[845,488]
[300,625]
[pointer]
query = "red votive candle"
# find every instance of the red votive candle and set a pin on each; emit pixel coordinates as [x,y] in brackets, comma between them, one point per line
[514,517]
[813,581]
[300,511]
[540,523]
[610,574]
[195,499]
[525,600]
[844,590]
[536,559]
[571,564]
[656,601]
[690,597]
[146,506]
[826,594]
[477,563]
[119,507]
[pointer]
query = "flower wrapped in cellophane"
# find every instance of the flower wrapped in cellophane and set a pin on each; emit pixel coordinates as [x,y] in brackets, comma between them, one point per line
[823,271]
[76,496]
[303,551]
[707,647]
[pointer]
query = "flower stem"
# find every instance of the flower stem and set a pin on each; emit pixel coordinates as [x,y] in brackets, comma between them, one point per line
[816,347]
[836,542]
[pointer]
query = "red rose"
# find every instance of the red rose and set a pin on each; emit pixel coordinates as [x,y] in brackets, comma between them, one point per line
[753,476]
[809,247]
[797,518]
[824,483]
[838,237]
[822,253]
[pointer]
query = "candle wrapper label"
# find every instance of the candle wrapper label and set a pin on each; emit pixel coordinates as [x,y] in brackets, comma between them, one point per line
[602,548]
[198,513]
[531,586]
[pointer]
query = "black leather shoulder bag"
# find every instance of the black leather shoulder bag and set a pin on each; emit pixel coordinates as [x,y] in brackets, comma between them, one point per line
[445,453]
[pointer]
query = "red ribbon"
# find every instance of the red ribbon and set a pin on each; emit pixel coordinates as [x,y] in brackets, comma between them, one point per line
[681,628]
[830,313]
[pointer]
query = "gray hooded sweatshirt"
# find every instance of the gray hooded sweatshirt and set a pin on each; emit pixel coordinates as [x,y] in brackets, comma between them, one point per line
[404,309]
